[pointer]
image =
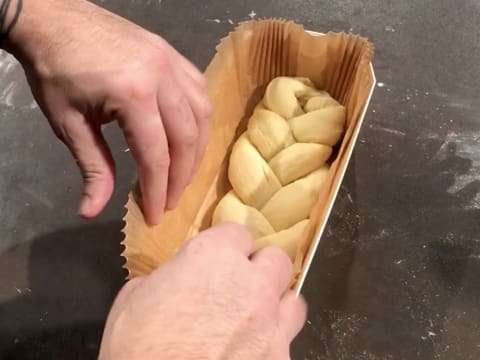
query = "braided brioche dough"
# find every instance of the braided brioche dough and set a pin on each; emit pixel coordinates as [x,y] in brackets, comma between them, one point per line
[278,166]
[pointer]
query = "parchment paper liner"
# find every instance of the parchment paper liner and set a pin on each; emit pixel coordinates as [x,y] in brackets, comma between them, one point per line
[246,60]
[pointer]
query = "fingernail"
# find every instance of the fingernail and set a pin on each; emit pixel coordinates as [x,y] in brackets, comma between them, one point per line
[171,205]
[173,201]
[155,220]
[151,217]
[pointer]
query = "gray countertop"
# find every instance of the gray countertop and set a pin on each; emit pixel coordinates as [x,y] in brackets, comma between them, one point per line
[396,275]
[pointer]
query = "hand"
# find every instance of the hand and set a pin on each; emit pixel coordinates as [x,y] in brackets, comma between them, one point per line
[214,300]
[86,67]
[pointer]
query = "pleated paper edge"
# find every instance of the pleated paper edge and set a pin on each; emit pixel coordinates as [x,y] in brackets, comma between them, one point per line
[133,213]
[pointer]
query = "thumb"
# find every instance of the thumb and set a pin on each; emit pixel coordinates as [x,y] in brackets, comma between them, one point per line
[90,150]
[293,315]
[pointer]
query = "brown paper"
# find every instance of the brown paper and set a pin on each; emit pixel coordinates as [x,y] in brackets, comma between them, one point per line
[246,61]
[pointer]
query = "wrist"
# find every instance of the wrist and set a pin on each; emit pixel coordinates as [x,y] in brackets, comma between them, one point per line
[40,27]
[27,37]
[12,19]
[9,13]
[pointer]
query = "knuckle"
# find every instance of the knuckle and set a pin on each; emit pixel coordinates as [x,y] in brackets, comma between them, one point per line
[231,230]
[203,82]
[182,129]
[199,244]
[206,110]
[160,162]
[234,229]
[278,257]
[62,131]
[93,171]
[160,61]
[147,136]
[137,91]
[190,136]
[134,86]
[275,259]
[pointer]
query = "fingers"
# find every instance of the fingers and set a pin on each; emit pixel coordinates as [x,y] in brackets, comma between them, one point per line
[228,235]
[182,133]
[169,142]
[166,142]
[195,89]
[195,86]
[93,156]
[145,134]
[292,315]
[276,265]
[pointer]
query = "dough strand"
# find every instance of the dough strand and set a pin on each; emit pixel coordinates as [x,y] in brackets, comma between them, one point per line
[278,166]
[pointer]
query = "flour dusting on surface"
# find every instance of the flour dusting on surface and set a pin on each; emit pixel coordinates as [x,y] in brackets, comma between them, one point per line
[14,92]
[467,146]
